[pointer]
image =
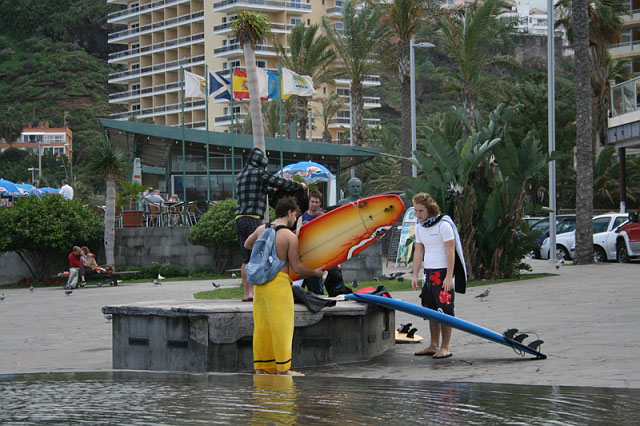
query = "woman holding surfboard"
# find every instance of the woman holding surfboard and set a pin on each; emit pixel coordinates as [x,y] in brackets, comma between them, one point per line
[435,246]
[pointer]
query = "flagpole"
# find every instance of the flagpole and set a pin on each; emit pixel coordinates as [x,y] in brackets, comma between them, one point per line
[280,94]
[233,143]
[206,109]
[185,207]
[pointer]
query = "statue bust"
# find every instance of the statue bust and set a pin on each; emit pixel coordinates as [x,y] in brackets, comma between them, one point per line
[354,187]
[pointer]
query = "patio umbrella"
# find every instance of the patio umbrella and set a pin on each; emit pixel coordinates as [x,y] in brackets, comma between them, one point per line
[50,190]
[26,187]
[307,170]
[9,189]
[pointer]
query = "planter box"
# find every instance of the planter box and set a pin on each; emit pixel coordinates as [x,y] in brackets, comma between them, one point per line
[132,217]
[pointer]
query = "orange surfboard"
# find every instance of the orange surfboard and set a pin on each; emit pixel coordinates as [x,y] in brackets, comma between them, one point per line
[342,233]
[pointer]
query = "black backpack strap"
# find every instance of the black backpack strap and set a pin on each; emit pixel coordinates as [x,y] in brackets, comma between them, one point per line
[279,227]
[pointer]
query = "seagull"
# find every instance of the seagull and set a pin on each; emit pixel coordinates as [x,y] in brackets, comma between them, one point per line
[484,294]
[160,277]
[155,282]
[108,317]
[2,297]
[215,284]
[354,283]
[68,292]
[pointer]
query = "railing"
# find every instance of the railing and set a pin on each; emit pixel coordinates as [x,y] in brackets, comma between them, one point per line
[156,25]
[624,97]
[157,67]
[146,91]
[144,7]
[236,46]
[269,3]
[161,45]
[227,118]
[337,10]
[166,109]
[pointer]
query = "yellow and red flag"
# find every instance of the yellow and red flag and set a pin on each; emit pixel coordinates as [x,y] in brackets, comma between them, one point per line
[240,84]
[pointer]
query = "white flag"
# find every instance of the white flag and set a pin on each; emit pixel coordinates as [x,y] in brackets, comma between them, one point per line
[294,84]
[194,85]
[263,83]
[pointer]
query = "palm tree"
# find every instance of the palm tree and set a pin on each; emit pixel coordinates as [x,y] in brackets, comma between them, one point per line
[404,17]
[309,54]
[330,107]
[10,126]
[359,44]
[249,29]
[110,162]
[469,36]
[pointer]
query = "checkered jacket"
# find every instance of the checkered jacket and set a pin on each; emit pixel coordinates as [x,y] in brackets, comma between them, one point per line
[253,185]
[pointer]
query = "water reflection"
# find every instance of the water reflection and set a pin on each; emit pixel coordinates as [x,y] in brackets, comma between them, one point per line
[167,398]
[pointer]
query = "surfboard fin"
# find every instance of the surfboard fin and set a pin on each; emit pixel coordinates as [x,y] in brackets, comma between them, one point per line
[404,328]
[510,333]
[535,344]
[411,333]
[520,337]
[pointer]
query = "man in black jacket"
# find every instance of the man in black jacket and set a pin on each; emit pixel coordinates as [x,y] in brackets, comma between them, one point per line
[251,193]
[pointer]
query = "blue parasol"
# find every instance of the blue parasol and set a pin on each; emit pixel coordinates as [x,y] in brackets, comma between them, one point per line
[307,170]
[50,190]
[9,189]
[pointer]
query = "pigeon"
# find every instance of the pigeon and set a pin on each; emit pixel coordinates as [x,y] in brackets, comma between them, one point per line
[108,317]
[354,283]
[160,277]
[376,279]
[68,292]
[557,265]
[31,288]
[2,297]
[388,277]
[99,284]
[233,275]
[155,282]
[484,294]
[215,284]
[398,274]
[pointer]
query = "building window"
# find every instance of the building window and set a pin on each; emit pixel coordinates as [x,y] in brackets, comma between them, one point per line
[233,64]
[135,66]
[135,47]
[135,87]
[134,26]
[135,107]
[133,5]
[261,64]
[295,21]
[343,114]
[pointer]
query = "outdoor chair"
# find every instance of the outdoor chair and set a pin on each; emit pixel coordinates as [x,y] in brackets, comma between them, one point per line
[154,217]
[175,215]
[118,217]
[191,213]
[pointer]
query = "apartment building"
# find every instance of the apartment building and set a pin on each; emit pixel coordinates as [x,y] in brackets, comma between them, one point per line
[159,37]
[629,45]
[51,140]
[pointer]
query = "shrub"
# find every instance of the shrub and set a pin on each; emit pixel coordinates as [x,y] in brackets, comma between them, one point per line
[216,231]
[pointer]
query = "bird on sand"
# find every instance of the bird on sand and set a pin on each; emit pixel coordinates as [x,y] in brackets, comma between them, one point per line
[160,277]
[484,294]
[108,317]
[68,292]
[215,284]
[156,282]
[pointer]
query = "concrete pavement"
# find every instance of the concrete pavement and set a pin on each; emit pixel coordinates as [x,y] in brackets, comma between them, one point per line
[587,315]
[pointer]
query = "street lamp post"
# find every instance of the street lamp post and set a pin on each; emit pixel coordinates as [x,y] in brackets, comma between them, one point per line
[39,159]
[412,59]
[31,169]
[69,156]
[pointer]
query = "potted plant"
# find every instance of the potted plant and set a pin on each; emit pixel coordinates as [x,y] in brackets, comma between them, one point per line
[128,199]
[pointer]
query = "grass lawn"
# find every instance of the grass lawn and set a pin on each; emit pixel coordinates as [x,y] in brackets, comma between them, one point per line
[391,286]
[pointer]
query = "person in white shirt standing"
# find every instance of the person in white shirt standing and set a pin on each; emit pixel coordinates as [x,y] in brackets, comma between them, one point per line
[66,191]
[436,244]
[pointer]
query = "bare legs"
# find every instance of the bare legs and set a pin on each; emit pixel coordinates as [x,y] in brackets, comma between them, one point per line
[248,288]
[435,348]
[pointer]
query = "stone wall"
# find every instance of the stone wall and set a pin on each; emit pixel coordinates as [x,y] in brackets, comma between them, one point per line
[144,246]
[12,269]
[365,265]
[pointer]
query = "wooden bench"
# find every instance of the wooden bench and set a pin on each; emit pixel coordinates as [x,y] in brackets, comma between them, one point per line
[112,278]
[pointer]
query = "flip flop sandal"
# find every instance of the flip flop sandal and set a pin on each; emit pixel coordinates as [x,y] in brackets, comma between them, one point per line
[443,357]
[425,352]
[249,299]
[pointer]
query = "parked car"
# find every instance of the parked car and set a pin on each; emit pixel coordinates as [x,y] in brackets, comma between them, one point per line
[623,242]
[564,223]
[566,242]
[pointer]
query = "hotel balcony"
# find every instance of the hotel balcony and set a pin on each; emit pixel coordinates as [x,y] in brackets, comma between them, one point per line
[132,34]
[345,122]
[225,29]
[262,6]
[131,14]
[124,56]
[133,75]
[129,95]
[370,102]
[225,120]
[233,50]
[369,81]
[626,49]
[334,12]
[161,110]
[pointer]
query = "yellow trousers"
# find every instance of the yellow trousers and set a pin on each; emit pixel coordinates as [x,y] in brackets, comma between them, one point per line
[273,325]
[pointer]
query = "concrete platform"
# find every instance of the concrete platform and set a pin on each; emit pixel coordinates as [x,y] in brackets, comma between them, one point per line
[217,335]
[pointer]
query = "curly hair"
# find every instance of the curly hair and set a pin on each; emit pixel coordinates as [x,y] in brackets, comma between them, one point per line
[425,199]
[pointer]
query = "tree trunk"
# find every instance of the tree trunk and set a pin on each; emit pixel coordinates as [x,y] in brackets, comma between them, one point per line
[584,135]
[255,107]
[109,222]
[303,116]
[404,73]
[357,107]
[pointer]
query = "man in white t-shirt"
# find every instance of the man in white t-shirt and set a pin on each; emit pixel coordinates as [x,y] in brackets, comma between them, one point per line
[435,245]
[66,191]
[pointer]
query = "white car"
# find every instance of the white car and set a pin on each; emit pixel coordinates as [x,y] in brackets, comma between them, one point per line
[602,226]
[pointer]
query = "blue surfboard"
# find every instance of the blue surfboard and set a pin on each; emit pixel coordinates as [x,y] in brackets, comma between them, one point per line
[507,339]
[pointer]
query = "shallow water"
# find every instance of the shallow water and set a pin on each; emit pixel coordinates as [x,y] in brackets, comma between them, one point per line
[170,399]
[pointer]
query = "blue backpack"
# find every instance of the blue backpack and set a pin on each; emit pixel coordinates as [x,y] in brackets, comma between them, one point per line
[264,263]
